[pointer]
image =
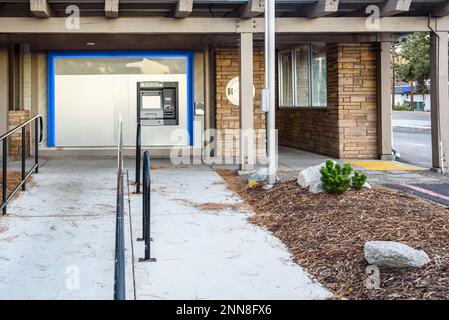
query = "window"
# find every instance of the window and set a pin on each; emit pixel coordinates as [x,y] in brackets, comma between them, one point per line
[319,87]
[302,76]
[286,63]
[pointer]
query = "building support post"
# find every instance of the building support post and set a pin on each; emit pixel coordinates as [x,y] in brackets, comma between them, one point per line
[384,107]
[246,136]
[439,100]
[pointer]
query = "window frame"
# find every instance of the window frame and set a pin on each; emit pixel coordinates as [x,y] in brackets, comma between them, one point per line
[293,70]
[280,78]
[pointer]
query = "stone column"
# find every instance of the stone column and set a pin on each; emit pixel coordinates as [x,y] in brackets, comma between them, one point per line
[439,100]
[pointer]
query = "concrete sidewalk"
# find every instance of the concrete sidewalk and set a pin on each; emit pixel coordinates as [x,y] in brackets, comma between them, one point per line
[57,241]
[207,253]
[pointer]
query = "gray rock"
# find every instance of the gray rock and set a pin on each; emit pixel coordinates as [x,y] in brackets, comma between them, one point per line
[259,175]
[316,187]
[393,254]
[310,176]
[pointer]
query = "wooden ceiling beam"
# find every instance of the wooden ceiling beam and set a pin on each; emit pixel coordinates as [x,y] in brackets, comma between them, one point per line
[41,9]
[183,8]
[111,8]
[394,7]
[252,8]
[323,8]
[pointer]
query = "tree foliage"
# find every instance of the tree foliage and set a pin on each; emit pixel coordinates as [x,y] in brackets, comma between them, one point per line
[414,62]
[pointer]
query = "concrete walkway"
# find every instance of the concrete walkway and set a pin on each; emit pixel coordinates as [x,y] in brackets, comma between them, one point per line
[206,253]
[291,161]
[300,159]
[57,241]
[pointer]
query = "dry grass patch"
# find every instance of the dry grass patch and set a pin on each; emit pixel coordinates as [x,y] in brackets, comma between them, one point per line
[215,206]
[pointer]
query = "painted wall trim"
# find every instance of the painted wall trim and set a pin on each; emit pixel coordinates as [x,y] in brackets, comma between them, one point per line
[52,55]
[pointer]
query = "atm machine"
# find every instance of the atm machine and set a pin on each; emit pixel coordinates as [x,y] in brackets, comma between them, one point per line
[157,103]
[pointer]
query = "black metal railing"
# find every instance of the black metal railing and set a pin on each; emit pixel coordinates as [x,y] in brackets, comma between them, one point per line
[146,205]
[38,135]
[138,156]
[119,266]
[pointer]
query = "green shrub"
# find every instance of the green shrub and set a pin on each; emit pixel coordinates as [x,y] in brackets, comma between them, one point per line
[335,178]
[338,179]
[358,180]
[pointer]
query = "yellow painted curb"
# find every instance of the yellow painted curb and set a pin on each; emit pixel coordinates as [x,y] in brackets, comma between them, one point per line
[385,166]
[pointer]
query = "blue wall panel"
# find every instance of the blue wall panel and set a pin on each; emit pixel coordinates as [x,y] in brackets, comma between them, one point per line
[52,55]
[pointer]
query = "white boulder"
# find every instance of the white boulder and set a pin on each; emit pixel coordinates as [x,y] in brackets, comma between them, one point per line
[393,254]
[316,187]
[310,176]
[259,175]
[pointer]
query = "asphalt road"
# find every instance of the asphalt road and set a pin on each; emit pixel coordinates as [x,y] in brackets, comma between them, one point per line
[412,137]
[411,117]
[436,192]
[414,147]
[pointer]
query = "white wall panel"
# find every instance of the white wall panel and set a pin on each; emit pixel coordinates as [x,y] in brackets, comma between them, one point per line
[87,108]
[84,110]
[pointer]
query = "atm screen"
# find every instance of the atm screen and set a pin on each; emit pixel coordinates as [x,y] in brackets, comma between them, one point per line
[151,102]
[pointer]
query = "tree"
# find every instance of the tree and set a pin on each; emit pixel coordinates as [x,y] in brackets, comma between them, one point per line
[414,62]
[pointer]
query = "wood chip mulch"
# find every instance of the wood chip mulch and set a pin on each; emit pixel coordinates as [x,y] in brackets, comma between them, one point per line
[326,233]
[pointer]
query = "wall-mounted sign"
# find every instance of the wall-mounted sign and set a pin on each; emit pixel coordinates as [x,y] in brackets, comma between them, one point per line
[233,89]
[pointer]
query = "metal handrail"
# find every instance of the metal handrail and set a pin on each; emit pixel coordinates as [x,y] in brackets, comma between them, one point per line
[138,155]
[119,266]
[38,131]
[6,135]
[146,205]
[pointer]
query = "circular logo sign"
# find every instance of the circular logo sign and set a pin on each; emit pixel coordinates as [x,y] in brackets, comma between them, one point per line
[233,91]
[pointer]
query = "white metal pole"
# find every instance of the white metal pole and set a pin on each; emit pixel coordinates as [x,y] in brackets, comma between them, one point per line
[266,45]
[270,76]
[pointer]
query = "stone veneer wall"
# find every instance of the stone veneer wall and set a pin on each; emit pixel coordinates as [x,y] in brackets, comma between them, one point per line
[347,127]
[357,98]
[227,114]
